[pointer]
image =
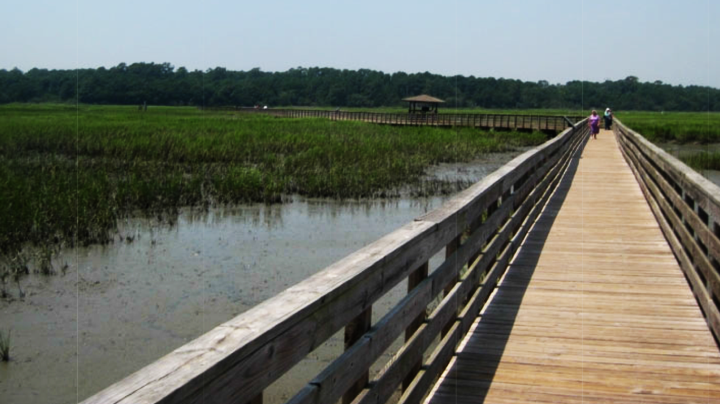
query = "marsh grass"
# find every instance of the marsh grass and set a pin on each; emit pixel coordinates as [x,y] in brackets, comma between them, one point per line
[14,266]
[5,345]
[69,174]
[702,160]
[678,127]
[4,277]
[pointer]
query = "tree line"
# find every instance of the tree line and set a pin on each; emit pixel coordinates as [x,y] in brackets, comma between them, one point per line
[163,84]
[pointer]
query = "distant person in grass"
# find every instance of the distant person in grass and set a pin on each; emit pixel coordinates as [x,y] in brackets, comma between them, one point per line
[608,118]
[594,122]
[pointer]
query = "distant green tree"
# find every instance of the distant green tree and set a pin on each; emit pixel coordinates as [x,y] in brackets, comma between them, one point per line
[315,86]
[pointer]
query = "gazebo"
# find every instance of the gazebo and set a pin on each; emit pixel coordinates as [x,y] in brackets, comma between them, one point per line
[423,103]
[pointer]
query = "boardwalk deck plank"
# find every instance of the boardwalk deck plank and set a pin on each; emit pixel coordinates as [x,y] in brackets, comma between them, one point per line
[593,309]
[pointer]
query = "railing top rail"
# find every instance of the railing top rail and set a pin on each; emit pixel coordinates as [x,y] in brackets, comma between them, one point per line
[259,345]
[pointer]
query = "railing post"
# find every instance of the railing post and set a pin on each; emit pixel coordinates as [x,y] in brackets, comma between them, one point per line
[708,285]
[450,250]
[353,332]
[490,210]
[413,280]
[474,226]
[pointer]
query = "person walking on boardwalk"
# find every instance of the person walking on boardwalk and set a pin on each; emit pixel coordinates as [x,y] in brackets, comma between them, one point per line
[594,122]
[608,118]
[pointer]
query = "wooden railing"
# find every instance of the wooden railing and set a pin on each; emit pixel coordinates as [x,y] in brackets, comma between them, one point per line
[534,122]
[479,230]
[687,207]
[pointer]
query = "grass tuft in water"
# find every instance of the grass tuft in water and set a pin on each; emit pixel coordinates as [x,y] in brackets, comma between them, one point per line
[702,160]
[13,267]
[44,260]
[5,345]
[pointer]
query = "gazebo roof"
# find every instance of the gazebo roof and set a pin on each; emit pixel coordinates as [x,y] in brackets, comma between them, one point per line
[422,98]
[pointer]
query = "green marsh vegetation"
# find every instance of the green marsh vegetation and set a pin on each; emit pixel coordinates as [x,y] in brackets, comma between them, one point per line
[682,128]
[68,174]
[701,161]
[677,127]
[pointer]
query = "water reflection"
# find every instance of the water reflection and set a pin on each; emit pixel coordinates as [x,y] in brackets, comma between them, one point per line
[134,301]
[271,216]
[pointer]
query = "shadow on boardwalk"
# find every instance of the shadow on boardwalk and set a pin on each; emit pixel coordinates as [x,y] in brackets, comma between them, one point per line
[476,365]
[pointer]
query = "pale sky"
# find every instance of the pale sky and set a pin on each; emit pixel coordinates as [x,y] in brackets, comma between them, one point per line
[676,41]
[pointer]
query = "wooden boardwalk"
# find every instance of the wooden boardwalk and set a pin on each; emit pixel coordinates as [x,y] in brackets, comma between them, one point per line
[593,309]
[485,121]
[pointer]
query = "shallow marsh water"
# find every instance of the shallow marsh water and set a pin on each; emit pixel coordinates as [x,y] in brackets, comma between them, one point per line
[122,306]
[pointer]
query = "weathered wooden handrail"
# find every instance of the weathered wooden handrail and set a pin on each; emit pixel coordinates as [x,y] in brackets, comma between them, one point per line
[507,121]
[480,230]
[687,207]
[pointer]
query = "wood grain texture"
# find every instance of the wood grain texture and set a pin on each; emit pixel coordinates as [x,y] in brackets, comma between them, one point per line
[594,307]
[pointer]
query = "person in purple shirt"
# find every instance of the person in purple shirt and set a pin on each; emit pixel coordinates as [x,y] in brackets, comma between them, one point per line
[594,122]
